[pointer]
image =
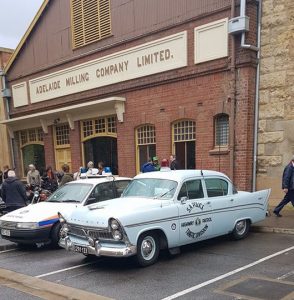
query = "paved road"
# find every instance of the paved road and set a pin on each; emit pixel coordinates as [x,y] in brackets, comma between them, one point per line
[205,270]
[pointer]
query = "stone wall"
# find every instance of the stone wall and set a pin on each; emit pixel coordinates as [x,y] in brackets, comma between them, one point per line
[276,109]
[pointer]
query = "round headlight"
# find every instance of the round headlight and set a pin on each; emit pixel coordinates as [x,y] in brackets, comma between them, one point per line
[117,235]
[114,225]
[61,218]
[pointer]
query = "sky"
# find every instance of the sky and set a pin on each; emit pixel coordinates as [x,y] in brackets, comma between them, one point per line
[15,18]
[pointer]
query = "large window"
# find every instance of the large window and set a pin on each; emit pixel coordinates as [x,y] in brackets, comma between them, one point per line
[146,144]
[221,124]
[216,187]
[184,143]
[90,21]
[192,189]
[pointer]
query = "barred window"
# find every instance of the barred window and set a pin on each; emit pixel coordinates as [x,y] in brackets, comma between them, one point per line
[146,135]
[62,135]
[31,136]
[184,131]
[90,21]
[99,127]
[222,130]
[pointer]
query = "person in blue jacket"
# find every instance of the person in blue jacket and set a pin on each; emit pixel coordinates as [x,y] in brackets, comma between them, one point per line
[287,186]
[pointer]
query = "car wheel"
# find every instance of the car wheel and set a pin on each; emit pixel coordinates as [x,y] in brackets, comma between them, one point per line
[55,235]
[241,229]
[147,249]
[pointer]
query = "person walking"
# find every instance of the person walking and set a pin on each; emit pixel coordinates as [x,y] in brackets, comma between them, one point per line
[67,177]
[288,187]
[33,176]
[173,163]
[13,192]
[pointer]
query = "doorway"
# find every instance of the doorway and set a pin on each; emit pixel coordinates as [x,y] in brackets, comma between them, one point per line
[102,149]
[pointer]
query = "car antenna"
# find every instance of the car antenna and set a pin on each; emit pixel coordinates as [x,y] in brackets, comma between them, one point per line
[201,171]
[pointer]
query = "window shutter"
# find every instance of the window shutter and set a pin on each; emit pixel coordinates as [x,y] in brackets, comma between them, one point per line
[90,21]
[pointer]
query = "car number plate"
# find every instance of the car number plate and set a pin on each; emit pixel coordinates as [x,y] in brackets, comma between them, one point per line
[5,232]
[81,249]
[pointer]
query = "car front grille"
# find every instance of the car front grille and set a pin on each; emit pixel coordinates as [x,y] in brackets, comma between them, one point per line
[83,232]
[8,224]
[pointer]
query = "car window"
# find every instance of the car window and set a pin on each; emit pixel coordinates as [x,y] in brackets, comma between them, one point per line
[192,189]
[120,185]
[76,192]
[102,192]
[216,187]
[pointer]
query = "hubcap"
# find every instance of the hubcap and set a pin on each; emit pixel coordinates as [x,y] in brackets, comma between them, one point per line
[148,247]
[241,227]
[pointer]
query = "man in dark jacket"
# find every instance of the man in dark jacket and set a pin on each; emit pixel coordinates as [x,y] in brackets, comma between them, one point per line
[13,192]
[67,177]
[287,186]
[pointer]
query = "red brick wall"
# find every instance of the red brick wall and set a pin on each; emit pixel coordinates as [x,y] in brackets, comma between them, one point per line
[75,146]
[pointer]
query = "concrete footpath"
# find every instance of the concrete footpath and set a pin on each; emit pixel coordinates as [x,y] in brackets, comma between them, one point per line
[272,224]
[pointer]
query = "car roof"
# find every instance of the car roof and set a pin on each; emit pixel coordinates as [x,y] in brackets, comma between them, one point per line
[96,180]
[180,175]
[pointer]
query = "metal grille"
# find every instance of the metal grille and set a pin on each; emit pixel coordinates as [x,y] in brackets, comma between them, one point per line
[91,21]
[146,135]
[62,135]
[184,131]
[103,234]
[222,130]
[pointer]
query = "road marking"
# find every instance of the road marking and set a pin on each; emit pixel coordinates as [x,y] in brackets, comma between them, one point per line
[286,275]
[66,269]
[4,251]
[203,284]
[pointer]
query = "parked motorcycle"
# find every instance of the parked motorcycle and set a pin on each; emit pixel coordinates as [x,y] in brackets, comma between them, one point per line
[36,194]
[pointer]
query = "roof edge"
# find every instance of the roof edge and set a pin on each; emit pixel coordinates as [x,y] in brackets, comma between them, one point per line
[26,35]
[6,50]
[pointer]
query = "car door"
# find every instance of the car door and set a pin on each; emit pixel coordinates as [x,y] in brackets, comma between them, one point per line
[102,191]
[221,200]
[194,212]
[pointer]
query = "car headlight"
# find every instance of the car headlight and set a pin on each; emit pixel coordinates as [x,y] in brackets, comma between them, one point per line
[117,235]
[64,230]
[61,218]
[27,225]
[114,224]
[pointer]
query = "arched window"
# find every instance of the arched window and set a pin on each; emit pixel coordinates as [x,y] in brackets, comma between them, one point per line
[221,125]
[145,144]
[183,133]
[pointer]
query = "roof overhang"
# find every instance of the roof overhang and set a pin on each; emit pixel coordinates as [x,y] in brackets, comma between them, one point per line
[69,114]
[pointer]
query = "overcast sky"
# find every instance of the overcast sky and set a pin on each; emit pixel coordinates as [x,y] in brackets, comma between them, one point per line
[15,18]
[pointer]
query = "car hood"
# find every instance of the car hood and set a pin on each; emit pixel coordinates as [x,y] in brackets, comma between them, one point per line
[123,209]
[39,212]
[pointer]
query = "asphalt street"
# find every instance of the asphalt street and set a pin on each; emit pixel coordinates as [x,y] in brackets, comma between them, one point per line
[260,266]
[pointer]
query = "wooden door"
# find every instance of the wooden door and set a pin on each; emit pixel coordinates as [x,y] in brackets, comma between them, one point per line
[63,156]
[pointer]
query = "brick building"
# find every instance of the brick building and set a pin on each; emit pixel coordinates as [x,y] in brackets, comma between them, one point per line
[276,101]
[119,81]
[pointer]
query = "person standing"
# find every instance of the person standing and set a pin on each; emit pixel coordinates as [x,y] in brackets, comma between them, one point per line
[1,177]
[49,180]
[148,167]
[155,162]
[5,172]
[13,192]
[67,177]
[173,163]
[33,176]
[288,187]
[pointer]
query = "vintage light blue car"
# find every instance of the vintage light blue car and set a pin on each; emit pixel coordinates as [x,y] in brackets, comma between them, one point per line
[163,210]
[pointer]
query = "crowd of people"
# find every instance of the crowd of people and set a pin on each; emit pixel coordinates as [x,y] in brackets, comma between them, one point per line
[153,164]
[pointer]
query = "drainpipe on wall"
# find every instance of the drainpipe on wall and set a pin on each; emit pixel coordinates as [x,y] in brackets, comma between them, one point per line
[256,108]
[6,96]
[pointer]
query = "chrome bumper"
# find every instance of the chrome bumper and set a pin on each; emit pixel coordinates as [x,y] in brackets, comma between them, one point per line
[100,249]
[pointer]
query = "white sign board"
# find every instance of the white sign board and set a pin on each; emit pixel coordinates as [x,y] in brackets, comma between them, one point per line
[154,57]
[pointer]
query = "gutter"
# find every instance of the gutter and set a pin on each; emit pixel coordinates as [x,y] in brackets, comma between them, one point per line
[257,81]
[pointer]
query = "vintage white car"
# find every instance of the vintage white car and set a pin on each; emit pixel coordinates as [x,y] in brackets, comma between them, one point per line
[163,210]
[39,223]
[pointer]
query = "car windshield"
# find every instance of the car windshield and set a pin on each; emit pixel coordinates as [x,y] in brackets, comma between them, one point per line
[151,188]
[71,193]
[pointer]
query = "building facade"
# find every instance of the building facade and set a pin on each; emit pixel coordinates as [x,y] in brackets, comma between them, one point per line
[122,81]
[276,101]
[5,146]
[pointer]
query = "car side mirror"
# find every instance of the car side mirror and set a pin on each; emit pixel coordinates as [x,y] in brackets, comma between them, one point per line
[184,199]
[91,200]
